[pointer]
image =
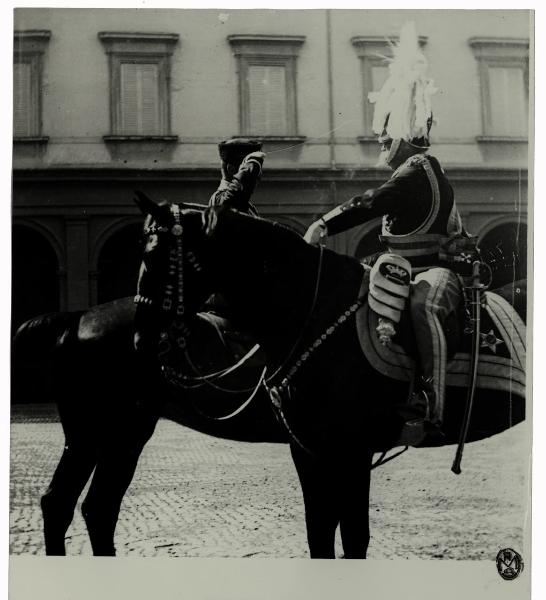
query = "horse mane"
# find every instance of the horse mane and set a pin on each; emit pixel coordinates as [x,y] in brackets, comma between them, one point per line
[263,232]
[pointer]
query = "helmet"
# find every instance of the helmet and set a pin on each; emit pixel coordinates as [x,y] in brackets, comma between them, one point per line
[403,111]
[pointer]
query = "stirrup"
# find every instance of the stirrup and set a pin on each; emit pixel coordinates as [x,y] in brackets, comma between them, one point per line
[413,432]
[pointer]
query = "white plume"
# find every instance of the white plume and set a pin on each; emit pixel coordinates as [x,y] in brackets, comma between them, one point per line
[405,97]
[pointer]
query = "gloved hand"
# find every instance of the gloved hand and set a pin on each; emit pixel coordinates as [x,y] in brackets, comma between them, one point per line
[258,156]
[316,233]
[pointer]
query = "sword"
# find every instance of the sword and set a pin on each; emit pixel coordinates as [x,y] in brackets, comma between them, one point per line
[476,289]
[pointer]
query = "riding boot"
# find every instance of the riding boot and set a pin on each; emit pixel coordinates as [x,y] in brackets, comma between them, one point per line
[414,415]
[421,416]
[434,416]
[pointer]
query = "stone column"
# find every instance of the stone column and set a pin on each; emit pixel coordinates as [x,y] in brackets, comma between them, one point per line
[77,263]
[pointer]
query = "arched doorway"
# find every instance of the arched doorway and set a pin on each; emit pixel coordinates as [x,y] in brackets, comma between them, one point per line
[118,264]
[504,248]
[35,275]
[35,290]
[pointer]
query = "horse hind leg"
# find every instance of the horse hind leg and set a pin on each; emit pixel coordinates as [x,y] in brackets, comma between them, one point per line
[59,501]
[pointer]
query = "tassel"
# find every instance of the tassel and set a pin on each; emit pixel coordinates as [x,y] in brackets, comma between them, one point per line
[385,331]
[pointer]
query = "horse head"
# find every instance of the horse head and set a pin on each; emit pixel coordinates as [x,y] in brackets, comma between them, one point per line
[171,284]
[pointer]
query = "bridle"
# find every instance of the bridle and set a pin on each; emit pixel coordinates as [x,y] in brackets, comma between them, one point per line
[175,298]
[173,301]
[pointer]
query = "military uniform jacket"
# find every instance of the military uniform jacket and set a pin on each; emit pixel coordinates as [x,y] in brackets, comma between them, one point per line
[418,209]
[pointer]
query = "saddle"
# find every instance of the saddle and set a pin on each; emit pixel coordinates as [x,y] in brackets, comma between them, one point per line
[500,394]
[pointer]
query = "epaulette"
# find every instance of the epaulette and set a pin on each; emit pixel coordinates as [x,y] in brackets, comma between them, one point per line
[417,160]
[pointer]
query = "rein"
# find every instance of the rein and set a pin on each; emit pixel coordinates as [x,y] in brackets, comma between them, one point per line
[305,324]
[176,297]
[276,392]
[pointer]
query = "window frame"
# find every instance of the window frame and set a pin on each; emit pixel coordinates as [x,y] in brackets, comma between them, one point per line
[499,52]
[267,50]
[29,47]
[139,48]
[368,49]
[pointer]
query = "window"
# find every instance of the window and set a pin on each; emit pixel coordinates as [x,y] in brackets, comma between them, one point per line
[267,83]
[504,78]
[139,84]
[373,53]
[29,48]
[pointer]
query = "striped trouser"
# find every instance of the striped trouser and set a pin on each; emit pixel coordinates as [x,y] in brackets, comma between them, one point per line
[435,296]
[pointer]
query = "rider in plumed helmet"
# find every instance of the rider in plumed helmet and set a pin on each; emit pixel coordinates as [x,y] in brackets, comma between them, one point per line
[421,222]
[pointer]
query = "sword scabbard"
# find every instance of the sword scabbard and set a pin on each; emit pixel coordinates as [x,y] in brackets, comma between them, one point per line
[477,289]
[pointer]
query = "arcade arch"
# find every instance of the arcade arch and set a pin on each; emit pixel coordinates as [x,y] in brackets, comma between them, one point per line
[36,273]
[116,262]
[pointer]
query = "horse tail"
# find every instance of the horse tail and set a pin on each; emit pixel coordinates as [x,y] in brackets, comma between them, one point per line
[45,334]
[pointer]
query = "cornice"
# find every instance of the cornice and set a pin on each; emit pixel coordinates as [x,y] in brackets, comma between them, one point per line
[272,175]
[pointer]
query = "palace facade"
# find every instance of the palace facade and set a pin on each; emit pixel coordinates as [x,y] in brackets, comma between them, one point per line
[107,101]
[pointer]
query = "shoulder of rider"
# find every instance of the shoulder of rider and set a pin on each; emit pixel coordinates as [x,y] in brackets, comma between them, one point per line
[412,166]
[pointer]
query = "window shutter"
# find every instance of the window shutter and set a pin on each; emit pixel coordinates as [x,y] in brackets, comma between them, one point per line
[22,100]
[267,99]
[379,76]
[508,101]
[139,99]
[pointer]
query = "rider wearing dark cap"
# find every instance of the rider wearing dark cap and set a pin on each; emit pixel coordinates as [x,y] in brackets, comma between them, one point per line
[241,167]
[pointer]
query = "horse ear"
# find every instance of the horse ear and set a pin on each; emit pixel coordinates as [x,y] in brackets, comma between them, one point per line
[147,205]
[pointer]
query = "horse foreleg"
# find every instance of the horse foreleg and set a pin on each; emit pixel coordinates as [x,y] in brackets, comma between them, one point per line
[113,475]
[354,494]
[321,505]
[59,501]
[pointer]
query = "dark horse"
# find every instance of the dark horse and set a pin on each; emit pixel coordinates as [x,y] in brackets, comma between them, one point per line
[299,303]
[287,294]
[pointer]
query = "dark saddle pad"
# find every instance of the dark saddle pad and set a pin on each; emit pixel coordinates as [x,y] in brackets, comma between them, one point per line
[500,396]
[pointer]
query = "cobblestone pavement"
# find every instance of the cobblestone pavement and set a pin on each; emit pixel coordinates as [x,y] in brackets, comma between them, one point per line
[197,496]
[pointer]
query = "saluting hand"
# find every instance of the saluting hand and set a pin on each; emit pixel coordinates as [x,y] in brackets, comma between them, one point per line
[258,156]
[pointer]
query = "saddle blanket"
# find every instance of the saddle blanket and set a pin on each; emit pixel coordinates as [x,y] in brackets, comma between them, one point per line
[502,349]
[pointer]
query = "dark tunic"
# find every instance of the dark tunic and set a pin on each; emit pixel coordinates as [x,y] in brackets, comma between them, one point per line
[236,193]
[419,213]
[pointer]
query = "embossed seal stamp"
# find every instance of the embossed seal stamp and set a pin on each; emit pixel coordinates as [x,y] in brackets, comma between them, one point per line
[509,564]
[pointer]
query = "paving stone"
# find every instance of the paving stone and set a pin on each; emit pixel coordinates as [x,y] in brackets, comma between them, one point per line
[197,496]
